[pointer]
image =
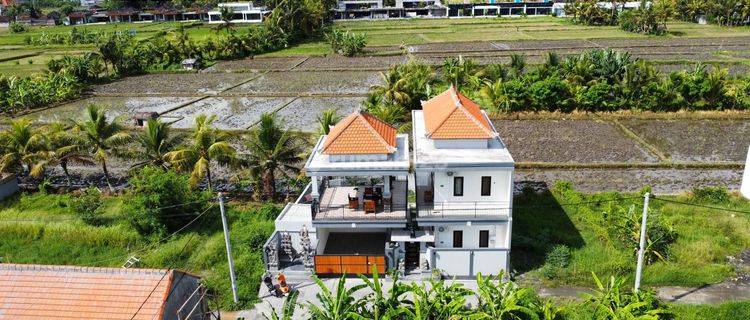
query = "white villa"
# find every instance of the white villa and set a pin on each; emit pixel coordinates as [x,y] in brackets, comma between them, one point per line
[244,12]
[371,203]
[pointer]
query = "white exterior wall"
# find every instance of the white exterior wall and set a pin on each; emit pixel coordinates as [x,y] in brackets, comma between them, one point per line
[469,263]
[461,144]
[358,157]
[745,188]
[500,191]
[498,235]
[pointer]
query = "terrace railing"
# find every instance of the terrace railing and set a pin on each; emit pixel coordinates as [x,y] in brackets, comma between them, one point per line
[468,209]
[343,212]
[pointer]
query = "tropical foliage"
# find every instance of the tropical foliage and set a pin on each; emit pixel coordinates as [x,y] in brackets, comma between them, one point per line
[209,145]
[496,298]
[273,151]
[596,80]
[346,43]
[723,12]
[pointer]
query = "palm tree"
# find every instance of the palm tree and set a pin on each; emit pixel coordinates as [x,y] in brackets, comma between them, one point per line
[389,113]
[102,137]
[209,145]
[21,144]
[155,142]
[226,14]
[460,71]
[327,119]
[272,150]
[64,145]
[393,89]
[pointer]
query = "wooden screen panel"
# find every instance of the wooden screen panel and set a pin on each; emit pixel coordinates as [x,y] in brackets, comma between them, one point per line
[327,264]
[350,265]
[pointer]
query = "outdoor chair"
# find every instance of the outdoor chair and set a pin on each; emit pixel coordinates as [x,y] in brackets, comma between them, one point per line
[369,206]
[353,202]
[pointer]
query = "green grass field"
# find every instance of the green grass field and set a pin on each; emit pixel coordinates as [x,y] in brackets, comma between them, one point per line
[540,221]
[42,229]
[395,32]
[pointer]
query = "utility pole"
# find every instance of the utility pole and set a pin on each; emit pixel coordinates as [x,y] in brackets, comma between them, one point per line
[229,248]
[641,247]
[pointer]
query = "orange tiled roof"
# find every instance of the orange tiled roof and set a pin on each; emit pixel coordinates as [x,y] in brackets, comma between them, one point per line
[69,292]
[451,115]
[360,133]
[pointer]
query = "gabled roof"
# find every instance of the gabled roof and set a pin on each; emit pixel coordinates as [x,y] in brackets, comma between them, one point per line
[360,133]
[70,292]
[451,115]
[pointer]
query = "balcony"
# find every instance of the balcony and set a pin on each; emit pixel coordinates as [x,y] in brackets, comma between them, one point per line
[362,203]
[428,209]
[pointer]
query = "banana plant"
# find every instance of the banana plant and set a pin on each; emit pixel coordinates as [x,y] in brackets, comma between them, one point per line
[338,305]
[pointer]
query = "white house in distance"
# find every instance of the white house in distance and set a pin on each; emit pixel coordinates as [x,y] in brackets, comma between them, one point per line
[243,12]
[356,212]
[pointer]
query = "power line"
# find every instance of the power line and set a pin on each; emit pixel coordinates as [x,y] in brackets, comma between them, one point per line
[162,278]
[113,217]
[701,206]
[151,245]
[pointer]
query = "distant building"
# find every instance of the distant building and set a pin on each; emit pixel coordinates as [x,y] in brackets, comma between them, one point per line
[91,3]
[70,292]
[243,12]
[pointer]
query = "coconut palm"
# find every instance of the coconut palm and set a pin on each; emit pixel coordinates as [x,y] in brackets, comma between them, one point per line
[389,113]
[459,71]
[155,142]
[226,14]
[208,145]
[327,119]
[103,137]
[20,146]
[273,151]
[393,89]
[64,145]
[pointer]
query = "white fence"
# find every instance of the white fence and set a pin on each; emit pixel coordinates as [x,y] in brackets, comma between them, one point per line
[461,262]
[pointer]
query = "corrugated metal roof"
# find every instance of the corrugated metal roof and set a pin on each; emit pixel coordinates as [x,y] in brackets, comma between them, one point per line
[70,292]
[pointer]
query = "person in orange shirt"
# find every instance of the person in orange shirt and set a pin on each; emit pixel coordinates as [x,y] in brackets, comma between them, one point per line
[282,283]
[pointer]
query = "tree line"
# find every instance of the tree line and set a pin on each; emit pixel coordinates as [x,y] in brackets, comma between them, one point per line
[32,151]
[496,299]
[594,81]
[121,54]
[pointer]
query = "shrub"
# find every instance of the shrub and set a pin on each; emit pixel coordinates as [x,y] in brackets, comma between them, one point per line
[710,194]
[557,259]
[659,234]
[16,27]
[643,20]
[161,201]
[346,43]
[88,206]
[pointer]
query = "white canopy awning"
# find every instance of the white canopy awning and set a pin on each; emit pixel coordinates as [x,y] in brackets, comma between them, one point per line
[406,236]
